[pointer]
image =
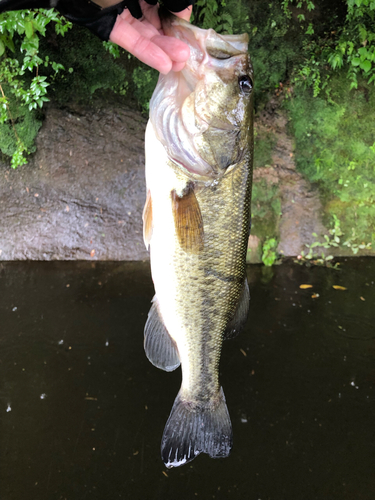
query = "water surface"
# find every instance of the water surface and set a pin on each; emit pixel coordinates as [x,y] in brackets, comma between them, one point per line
[82,410]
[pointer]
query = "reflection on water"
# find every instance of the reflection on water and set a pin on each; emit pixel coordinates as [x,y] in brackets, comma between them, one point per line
[82,410]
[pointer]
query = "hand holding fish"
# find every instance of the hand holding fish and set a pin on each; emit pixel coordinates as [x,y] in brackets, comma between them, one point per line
[144,38]
[132,24]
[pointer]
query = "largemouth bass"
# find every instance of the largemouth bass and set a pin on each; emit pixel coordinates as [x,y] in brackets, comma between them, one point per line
[199,144]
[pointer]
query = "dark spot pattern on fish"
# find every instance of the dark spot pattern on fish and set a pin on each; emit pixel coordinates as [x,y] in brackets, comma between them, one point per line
[228,278]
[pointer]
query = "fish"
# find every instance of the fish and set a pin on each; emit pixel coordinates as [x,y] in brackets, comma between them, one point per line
[196,224]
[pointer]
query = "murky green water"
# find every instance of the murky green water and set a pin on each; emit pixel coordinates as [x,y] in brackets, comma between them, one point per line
[82,410]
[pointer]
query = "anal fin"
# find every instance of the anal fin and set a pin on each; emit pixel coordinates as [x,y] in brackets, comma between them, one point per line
[238,321]
[160,349]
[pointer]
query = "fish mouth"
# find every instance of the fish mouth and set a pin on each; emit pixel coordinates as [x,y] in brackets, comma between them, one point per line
[219,46]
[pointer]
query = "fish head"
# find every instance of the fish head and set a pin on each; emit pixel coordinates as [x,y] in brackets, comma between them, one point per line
[203,114]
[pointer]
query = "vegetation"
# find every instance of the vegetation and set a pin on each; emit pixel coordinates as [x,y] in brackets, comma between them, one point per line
[269,255]
[335,147]
[23,88]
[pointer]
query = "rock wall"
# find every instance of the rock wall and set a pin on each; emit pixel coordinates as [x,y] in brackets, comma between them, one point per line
[81,195]
[299,212]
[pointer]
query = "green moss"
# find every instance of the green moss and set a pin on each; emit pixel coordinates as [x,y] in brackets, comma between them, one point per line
[266,210]
[264,144]
[335,148]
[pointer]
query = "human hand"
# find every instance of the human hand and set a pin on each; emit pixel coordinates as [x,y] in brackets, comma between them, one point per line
[144,39]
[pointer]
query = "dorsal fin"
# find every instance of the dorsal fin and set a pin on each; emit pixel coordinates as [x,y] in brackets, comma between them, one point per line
[147,220]
[188,219]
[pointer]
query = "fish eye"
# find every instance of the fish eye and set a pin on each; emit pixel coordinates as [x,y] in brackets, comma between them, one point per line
[246,84]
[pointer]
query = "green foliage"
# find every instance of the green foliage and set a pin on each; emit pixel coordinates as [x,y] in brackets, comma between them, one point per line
[224,16]
[275,46]
[113,49]
[91,66]
[269,253]
[335,147]
[144,82]
[33,62]
[347,42]
[20,68]
[17,134]
[330,241]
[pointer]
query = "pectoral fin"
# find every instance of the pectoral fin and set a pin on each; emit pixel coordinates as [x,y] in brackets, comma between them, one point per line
[160,349]
[240,316]
[147,220]
[188,220]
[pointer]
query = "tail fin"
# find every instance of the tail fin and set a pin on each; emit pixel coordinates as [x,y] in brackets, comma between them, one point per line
[191,431]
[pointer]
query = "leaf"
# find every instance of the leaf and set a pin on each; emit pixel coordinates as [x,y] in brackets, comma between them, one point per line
[338,287]
[304,287]
[29,29]
[9,44]
[365,65]
[2,48]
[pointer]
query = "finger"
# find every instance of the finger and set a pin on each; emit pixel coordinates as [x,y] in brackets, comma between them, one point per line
[127,37]
[177,50]
[151,13]
[144,27]
[178,66]
[184,14]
